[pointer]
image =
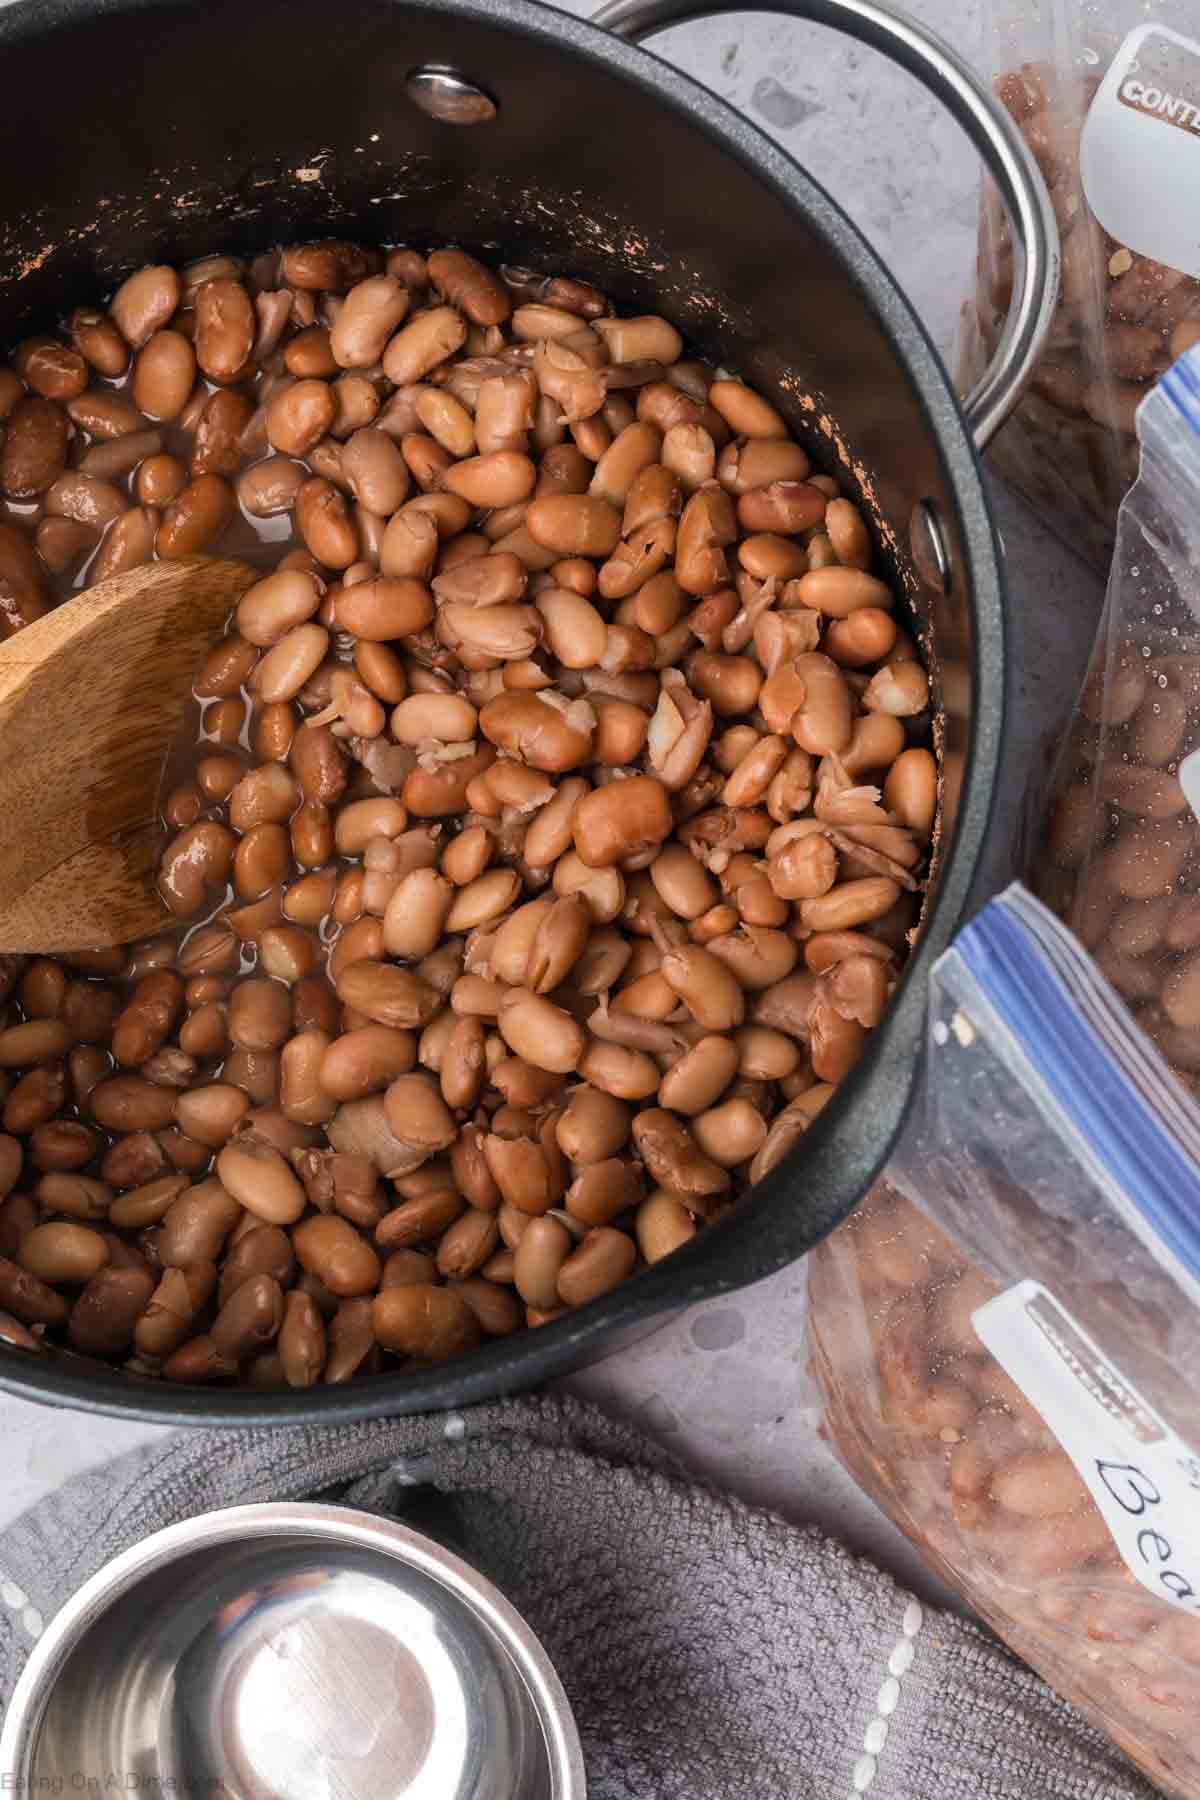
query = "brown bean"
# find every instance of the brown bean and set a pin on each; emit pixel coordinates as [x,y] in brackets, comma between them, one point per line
[197,1224]
[164,373]
[385,608]
[301,1342]
[144,302]
[51,368]
[324,521]
[34,451]
[260,1014]
[276,605]
[422,344]
[216,448]
[195,520]
[1144,862]
[298,416]
[730,1133]
[574,524]
[27,1297]
[706,986]
[172,1308]
[621,820]
[22,595]
[434,1323]
[106,1313]
[862,638]
[745,412]
[38,1040]
[127,1103]
[499,478]
[160,479]
[699,1078]
[545,735]
[387,994]
[911,790]
[848,534]
[351,1342]
[837,592]
[98,341]
[781,506]
[226,667]
[418,1219]
[468,1244]
[664,1225]
[372,310]
[449,423]
[255,1250]
[823,723]
[301,1095]
[876,740]
[675,1162]
[76,1196]
[331,263]
[62,1252]
[148,1204]
[148,1018]
[254,1173]
[1114,694]
[331,1248]
[497,1311]
[250,1318]
[289,664]
[265,796]
[605,1258]
[603,1190]
[544,1247]
[127,544]
[375,471]
[211,1113]
[900,689]
[593,1126]
[270,487]
[470,286]
[117,424]
[539,1032]
[63,545]
[307,356]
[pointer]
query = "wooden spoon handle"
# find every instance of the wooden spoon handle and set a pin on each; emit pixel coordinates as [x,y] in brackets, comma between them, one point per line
[91,698]
[105,894]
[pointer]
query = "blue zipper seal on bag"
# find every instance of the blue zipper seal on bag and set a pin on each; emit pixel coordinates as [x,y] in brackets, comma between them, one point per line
[1080,1068]
[1181,385]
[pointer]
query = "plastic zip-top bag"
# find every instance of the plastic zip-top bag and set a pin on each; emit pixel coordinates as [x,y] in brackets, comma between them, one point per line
[1007,1335]
[1121,862]
[1107,93]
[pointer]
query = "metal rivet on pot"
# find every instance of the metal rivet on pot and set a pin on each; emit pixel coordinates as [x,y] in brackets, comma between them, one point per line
[446,95]
[927,541]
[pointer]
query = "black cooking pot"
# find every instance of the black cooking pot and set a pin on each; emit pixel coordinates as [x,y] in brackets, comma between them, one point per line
[158,130]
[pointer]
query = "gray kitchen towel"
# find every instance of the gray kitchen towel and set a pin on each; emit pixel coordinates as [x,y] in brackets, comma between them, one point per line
[711,1651]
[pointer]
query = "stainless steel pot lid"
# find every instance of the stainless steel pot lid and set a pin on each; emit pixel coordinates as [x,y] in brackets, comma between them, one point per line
[295,1653]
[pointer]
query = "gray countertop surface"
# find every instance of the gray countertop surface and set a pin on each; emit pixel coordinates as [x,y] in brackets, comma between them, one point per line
[724,1385]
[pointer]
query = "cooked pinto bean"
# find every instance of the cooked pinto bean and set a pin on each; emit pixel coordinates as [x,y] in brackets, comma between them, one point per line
[471,894]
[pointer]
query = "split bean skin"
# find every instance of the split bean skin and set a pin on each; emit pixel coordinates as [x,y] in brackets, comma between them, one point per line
[489,841]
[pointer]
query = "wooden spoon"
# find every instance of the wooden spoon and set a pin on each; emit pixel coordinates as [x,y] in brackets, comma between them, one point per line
[92,697]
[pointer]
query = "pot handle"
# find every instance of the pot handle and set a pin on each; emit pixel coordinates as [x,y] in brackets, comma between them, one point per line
[944,74]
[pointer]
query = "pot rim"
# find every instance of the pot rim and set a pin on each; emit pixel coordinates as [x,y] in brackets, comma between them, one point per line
[761,1236]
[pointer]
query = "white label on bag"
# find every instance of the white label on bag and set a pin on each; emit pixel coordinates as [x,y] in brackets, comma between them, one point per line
[1143,1477]
[1189,780]
[1139,156]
